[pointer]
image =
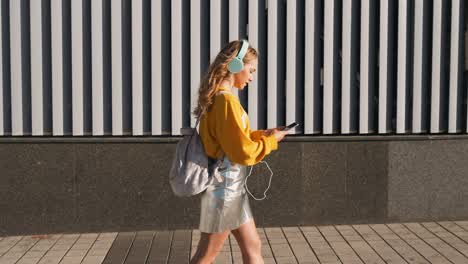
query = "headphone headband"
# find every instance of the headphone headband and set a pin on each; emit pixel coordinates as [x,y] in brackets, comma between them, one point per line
[243,49]
[236,64]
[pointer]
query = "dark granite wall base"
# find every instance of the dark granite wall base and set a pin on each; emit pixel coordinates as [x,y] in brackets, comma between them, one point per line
[428,180]
[90,187]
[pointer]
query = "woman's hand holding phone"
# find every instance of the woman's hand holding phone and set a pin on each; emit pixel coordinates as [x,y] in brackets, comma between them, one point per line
[278,132]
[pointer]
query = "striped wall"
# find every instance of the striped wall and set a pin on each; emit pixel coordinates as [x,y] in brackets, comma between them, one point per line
[132,67]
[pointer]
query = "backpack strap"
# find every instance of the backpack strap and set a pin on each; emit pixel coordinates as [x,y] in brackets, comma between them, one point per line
[198,121]
[190,131]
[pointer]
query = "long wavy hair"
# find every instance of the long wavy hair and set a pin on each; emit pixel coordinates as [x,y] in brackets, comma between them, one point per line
[217,72]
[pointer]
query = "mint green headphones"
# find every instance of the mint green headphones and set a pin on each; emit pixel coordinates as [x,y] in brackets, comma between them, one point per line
[236,63]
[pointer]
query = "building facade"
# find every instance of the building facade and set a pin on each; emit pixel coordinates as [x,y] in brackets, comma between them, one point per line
[93,94]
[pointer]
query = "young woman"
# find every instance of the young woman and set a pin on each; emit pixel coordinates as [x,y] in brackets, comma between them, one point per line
[226,136]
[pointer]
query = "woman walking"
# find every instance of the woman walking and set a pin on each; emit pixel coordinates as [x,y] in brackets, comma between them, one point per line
[226,136]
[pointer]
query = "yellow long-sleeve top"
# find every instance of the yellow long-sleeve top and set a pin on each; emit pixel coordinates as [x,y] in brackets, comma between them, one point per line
[225,130]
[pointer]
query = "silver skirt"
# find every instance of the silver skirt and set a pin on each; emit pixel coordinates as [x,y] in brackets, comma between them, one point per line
[225,203]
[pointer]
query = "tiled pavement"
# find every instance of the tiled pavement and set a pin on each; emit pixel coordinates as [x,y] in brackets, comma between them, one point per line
[427,242]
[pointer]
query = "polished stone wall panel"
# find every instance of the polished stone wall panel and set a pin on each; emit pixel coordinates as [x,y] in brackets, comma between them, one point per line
[428,180]
[90,187]
[36,188]
[366,181]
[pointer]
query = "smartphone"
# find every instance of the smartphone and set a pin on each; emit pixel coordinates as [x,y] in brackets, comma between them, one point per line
[290,126]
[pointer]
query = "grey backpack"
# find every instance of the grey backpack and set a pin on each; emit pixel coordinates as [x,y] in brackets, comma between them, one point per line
[191,172]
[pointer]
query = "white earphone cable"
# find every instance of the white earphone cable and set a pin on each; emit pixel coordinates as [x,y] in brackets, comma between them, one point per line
[269,182]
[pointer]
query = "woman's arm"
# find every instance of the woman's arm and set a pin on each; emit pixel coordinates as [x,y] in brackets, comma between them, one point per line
[257,134]
[237,141]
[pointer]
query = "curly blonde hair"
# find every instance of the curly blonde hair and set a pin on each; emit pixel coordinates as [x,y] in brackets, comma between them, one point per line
[217,72]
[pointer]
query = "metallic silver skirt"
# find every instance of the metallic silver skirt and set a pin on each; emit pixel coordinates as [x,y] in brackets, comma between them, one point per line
[225,203]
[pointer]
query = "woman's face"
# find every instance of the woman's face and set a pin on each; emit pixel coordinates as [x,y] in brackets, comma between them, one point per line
[242,78]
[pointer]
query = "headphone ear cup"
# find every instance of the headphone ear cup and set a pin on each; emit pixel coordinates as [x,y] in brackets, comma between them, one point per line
[235,65]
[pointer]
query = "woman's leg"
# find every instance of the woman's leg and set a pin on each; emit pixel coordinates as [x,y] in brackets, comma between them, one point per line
[249,243]
[208,247]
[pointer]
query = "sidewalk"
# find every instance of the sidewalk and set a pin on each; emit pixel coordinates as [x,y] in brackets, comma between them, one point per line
[428,242]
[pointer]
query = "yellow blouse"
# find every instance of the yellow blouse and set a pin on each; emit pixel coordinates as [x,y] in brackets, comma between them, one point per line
[225,129]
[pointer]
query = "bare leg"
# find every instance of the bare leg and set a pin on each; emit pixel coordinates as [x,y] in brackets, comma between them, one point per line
[249,243]
[209,247]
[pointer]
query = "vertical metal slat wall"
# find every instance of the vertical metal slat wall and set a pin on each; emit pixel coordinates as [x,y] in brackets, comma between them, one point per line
[132,67]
